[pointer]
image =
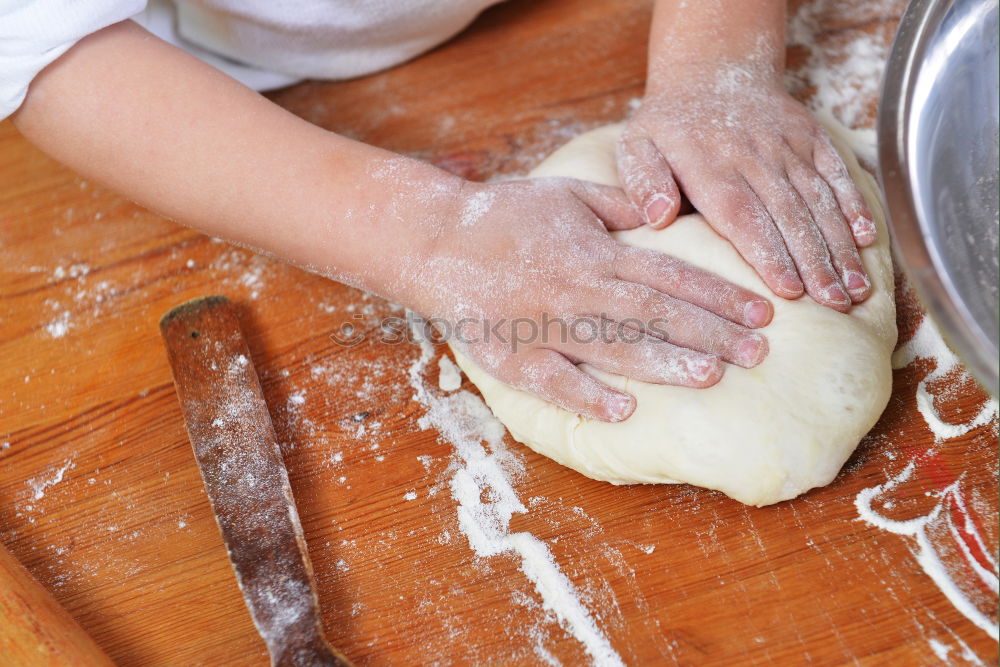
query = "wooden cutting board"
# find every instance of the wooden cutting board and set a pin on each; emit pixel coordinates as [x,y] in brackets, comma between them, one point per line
[100,497]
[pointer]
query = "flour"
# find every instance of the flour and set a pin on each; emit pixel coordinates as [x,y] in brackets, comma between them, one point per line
[51,478]
[844,66]
[73,271]
[58,327]
[476,207]
[942,651]
[926,554]
[928,344]
[450,376]
[560,597]
[81,300]
[487,472]
[244,272]
[945,430]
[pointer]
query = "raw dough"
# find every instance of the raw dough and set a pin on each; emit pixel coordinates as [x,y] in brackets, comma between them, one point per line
[761,435]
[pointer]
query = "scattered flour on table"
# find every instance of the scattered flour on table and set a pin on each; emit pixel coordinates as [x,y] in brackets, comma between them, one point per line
[244,271]
[942,651]
[482,486]
[845,66]
[927,343]
[950,516]
[82,298]
[450,376]
[50,478]
[927,553]
[58,327]
[77,270]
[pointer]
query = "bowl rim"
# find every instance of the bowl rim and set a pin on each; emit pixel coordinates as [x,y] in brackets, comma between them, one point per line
[919,261]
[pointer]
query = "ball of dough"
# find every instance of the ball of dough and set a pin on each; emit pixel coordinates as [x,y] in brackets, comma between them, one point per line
[761,435]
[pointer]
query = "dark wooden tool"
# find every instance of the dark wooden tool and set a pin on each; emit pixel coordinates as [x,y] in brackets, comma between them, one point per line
[245,477]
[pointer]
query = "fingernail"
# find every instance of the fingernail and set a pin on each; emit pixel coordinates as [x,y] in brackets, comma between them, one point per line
[756,313]
[864,229]
[751,351]
[835,294]
[856,282]
[620,407]
[790,283]
[702,368]
[657,209]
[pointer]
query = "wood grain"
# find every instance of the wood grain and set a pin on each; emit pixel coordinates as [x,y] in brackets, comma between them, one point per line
[36,629]
[101,499]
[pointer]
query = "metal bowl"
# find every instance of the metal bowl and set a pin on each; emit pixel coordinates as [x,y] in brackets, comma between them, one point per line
[939,151]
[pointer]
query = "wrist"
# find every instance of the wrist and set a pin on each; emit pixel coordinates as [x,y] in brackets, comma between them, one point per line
[715,35]
[360,215]
[412,225]
[700,75]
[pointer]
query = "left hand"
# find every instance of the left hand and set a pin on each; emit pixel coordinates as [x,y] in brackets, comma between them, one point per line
[762,171]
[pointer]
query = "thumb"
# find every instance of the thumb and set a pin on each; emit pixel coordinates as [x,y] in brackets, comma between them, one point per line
[609,204]
[646,178]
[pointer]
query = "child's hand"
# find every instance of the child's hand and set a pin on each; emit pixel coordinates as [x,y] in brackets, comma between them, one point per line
[532,263]
[717,122]
[761,170]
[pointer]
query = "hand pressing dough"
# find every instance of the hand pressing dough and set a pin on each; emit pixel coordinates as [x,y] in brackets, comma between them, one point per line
[761,435]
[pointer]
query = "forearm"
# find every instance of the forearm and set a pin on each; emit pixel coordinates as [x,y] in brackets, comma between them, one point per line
[750,33]
[173,134]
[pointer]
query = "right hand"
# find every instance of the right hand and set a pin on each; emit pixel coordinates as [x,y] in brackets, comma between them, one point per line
[523,256]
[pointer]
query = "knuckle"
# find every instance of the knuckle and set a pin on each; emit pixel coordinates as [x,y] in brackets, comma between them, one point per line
[668,265]
[741,205]
[823,273]
[671,273]
[657,305]
[772,254]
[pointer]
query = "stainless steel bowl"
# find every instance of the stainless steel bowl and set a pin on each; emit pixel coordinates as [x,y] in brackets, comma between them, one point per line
[939,151]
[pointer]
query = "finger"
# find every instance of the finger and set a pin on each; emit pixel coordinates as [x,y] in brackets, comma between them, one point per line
[683,281]
[826,212]
[624,350]
[736,213]
[831,167]
[802,237]
[684,324]
[555,378]
[608,203]
[646,178]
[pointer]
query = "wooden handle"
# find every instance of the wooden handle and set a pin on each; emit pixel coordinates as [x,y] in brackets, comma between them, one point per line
[245,477]
[34,629]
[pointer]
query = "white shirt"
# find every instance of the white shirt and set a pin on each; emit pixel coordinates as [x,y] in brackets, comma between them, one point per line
[265,44]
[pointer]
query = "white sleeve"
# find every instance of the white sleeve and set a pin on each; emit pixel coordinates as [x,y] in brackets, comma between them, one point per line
[33,33]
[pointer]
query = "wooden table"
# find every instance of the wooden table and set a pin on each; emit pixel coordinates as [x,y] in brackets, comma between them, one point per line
[101,499]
